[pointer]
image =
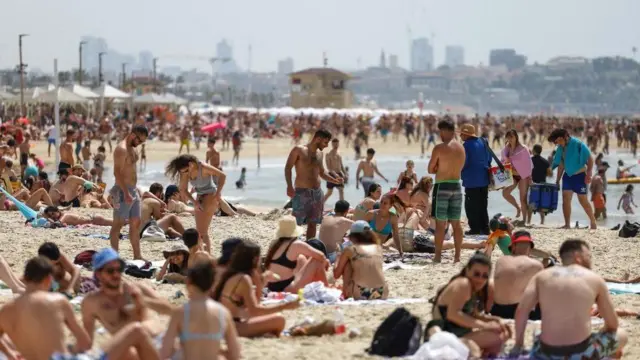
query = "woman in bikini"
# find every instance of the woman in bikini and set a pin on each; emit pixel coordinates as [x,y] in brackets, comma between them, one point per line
[309,264]
[240,290]
[384,222]
[373,195]
[421,201]
[201,324]
[458,308]
[186,169]
[360,265]
[408,173]
[404,189]
[518,156]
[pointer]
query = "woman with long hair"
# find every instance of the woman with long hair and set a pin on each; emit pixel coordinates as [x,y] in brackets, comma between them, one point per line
[185,170]
[295,262]
[384,222]
[420,200]
[518,156]
[460,305]
[240,290]
[373,195]
[404,189]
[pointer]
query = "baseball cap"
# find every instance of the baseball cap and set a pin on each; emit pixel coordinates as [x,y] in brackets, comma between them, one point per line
[359,227]
[103,257]
[228,246]
[521,239]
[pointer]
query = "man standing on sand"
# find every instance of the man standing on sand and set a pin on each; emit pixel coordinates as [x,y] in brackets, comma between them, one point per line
[511,276]
[66,152]
[566,295]
[25,151]
[335,167]
[475,179]
[575,164]
[447,161]
[125,195]
[368,167]
[307,198]
[105,129]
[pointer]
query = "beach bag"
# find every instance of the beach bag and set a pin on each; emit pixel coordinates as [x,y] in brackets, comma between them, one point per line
[423,244]
[152,232]
[84,258]
[400,334]
[501,177]
[629,230]
[406,238]
[543,198]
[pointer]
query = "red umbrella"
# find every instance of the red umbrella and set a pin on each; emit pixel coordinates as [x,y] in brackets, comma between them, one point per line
[213,127]
[23,121]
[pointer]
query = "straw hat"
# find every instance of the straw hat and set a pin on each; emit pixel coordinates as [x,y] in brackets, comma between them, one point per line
[468,129]
[288,228]
[174,249]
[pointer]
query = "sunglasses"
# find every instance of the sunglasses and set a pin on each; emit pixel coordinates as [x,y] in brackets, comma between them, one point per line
[483,275]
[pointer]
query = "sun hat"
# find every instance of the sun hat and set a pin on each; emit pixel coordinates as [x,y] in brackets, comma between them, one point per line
[288,228]
[359,227]
[522,239]
[175,248]
[468,129]
[103,257]
[228,246]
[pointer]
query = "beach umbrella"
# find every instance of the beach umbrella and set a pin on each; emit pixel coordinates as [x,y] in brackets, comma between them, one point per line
[84,92]
[23,121]
[213,127]
[109,92]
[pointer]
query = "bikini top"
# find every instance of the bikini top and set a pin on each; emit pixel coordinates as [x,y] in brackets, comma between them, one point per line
[204,184]
[238,303]
[185,335]
[282,260]
[386,230]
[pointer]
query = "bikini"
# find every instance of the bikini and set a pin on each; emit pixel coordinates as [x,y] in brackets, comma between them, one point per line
[185,335]
[282,260]
[386,230]
[237,303]
[367,293]
[204,185]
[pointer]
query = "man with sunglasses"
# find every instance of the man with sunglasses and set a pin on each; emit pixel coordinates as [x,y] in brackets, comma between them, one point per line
[127,204]
[119,303]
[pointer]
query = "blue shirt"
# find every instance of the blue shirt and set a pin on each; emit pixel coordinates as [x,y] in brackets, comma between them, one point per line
[576,157]
[475,172]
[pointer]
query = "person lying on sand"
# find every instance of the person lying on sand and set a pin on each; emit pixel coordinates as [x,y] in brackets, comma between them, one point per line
[153,213]
[201,324]
[128,302]
[175,204]
[626,279]
[34,201]
[36,320]
[240,290]
[53,214]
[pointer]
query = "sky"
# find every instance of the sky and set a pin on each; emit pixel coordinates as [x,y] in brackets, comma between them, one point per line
[347,30]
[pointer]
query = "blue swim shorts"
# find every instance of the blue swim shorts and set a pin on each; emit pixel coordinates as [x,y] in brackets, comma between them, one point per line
[575,183]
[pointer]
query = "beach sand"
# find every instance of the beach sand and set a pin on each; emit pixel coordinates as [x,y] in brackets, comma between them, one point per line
[612,256]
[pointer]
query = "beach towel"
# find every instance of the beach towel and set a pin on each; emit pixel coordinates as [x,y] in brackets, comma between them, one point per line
[618,289]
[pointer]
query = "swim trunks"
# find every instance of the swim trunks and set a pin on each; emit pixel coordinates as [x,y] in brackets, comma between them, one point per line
[509,311]
[446,201]
[308,206]
[75,202]
[122,210]
[599,201]
[184,142]
[366,181]
[600,345]
[86,164]
[331,185]
[24,159]
[51,141]
[63,166]
[575,183]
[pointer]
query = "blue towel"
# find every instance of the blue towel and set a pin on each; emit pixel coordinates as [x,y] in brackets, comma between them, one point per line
[617,289]
[26,211]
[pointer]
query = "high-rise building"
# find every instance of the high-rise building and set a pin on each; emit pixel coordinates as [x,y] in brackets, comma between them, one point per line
[145,60]
[285,66]
[393,61]
[225,63]
[508,58]
[454,56]
[383,59]
[421,55]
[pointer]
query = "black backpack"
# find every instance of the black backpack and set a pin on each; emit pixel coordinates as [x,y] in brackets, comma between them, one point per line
[400,334]
[423,244]
[629,230]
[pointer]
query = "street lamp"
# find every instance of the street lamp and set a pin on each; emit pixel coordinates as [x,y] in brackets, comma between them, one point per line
[21,68]
[82,43]
[100,77]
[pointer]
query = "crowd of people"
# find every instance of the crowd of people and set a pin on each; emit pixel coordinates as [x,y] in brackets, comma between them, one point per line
[350,242]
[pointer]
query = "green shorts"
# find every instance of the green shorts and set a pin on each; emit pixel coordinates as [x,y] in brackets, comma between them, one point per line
[446,202]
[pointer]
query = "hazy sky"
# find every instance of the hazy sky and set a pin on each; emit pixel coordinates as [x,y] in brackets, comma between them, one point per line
[303,29]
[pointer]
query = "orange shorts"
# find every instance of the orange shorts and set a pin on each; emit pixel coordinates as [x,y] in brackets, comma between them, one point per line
[598,201]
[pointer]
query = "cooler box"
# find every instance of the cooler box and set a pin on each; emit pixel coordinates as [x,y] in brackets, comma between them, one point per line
[543,198]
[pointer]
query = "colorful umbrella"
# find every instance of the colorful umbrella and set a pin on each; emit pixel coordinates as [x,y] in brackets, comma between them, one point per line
[213,127]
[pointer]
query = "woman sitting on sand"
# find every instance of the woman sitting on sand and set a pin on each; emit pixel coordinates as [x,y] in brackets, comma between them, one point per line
[361,265]
[373,195]
[421,201]
[404,190]
[187,169]
[458,308]
[52,213]
[91,198]
[201,324]
[309,264]
[384,222]
[519,157]
[240,290]
[174,268]
[408,173]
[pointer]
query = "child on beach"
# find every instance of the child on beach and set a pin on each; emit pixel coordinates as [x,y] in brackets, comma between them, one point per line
[627,200]
[240,184]
[86,155]
[37,161]
[597,194]
[409,172]
[98,163]
[541,170]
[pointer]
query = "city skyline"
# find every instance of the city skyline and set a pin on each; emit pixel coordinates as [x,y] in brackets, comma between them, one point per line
[601,29]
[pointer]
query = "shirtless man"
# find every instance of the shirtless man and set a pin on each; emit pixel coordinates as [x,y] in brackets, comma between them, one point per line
[105,131]
[86,155]
[119,303]
[191,239]
[566,295]
[511,276]
[335,167]
[153,213]
[307,198]
[447,160]
[66,152]
[66,276]
[333,229]
[184,139]
[368,167]
[124,194]
[66,191]
[79,142]
[25,151]
[213,155]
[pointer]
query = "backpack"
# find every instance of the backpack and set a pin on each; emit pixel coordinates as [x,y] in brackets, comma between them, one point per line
[400,334]
[629,230]
[84,258]
[422,243]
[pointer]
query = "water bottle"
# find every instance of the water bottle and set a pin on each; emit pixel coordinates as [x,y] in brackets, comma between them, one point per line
[339,326]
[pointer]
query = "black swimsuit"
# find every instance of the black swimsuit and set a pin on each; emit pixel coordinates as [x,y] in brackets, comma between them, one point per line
[282,260]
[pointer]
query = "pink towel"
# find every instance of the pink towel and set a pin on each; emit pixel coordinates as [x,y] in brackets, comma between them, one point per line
[520,159]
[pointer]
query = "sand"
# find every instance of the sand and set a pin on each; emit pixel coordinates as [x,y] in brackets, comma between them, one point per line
[612,257]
